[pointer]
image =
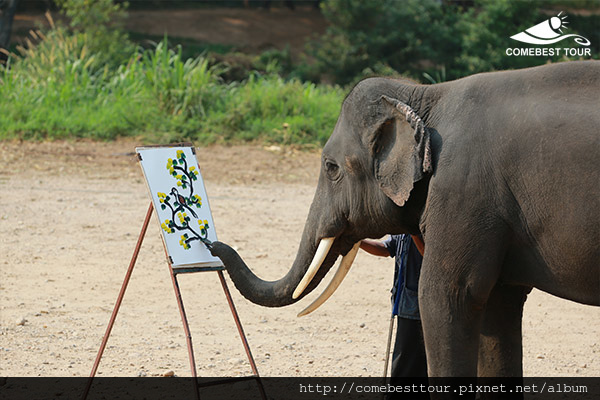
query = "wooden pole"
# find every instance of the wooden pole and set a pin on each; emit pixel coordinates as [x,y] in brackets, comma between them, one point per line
[113,317]
[186,328]
[238,323]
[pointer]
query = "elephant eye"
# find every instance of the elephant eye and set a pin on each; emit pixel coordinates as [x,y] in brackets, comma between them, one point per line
[332,169]
[331,166]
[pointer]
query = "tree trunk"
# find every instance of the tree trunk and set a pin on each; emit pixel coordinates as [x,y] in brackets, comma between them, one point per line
[7,13]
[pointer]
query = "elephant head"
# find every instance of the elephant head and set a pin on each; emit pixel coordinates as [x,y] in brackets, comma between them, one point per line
[371,169]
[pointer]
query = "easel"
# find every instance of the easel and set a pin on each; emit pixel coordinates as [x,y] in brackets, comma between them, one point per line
[186,327]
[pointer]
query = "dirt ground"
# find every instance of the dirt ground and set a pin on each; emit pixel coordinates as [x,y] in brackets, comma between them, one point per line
[248,30]
[70,214]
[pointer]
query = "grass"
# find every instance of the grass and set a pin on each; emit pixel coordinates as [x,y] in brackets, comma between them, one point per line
[58,89]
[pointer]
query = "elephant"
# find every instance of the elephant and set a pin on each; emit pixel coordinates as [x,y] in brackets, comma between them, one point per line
[498,171]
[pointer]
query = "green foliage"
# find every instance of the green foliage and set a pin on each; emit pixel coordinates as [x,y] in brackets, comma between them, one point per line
[235,66]
[59,89]
[274,61]
[279,111]
[387,37]
[92,15]
[574,4]
[439,76]
[100,24]
[588,26]
[58,57]
[399,36]
[88,80]
[182,87]
[486,32]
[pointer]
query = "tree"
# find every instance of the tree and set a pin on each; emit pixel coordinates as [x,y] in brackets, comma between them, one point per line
[7,14]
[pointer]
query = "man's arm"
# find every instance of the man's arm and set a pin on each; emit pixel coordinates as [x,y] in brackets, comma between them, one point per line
[418,241]
[374,247]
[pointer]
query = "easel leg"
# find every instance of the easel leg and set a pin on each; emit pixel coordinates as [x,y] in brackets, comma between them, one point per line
[186,328]
[119,300]
[242,334]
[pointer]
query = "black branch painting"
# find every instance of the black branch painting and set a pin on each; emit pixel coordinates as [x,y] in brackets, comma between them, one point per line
[182,200]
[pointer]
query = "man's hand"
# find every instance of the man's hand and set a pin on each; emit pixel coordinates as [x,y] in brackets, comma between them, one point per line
[374,247]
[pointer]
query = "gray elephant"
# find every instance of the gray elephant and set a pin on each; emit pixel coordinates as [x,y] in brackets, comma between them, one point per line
[499,171]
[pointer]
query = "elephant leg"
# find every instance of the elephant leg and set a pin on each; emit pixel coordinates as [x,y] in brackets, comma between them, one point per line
[457,277]
[500,343]
[450,330]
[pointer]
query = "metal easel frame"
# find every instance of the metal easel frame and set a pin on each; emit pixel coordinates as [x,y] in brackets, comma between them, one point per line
[186,327]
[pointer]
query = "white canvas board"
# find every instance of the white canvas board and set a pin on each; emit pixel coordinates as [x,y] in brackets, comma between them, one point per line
[181,204]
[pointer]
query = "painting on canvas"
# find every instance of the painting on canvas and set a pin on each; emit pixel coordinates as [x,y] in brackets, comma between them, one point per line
[181,204]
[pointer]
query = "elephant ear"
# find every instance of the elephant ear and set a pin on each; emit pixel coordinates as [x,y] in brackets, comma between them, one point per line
[401,149]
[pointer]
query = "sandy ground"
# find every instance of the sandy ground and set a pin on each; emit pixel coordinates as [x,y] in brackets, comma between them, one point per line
[68,226]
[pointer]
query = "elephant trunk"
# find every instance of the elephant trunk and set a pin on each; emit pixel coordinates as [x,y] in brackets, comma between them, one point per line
[318,251]
[284,291]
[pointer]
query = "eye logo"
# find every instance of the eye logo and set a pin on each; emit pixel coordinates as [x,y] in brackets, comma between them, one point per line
[548,32]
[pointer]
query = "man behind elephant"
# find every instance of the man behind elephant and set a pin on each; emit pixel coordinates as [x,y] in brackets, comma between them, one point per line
[408,358]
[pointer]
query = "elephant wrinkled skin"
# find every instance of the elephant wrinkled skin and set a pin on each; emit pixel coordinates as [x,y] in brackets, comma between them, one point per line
[498,171]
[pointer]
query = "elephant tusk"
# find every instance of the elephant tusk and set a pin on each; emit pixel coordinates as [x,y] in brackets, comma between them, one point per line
[324,246]
[337,279]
